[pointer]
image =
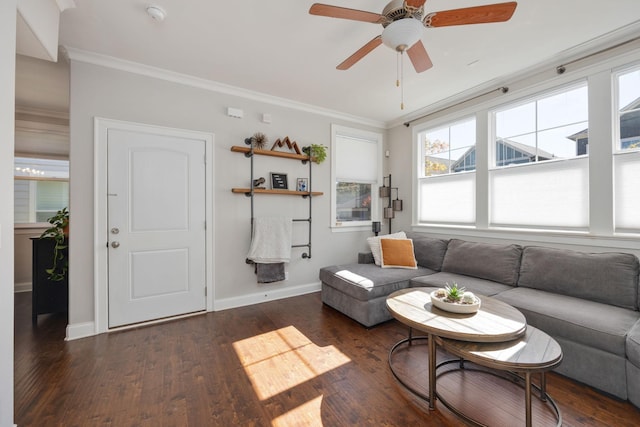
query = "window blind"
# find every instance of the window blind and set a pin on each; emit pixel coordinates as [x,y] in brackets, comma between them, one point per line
[448,199]
[627,202]
[551,194]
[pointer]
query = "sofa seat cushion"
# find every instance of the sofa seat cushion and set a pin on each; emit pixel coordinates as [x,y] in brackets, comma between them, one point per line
[499,263]
[633,345]
[472,284]
[368,281]
[586,322]
[610,278]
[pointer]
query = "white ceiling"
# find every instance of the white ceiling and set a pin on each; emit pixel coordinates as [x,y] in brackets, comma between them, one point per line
[276,48]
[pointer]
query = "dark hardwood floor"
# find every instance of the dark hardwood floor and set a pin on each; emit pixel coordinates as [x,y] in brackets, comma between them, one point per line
[292,362]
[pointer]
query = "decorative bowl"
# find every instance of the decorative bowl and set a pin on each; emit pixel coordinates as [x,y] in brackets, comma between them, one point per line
[455,307]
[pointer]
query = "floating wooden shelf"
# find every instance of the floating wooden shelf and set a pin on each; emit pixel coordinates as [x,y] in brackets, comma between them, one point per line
[249,192]
[270,191]
[241,149]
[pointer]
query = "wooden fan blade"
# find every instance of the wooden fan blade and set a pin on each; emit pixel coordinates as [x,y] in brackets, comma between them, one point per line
[498,12]
[419,57]
[415,3]
[360,53]
[345,13]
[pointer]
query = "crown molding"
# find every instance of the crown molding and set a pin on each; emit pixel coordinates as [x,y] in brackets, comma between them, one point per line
[210,85]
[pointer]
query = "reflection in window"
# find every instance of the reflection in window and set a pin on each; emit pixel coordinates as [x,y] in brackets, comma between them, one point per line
[41,188]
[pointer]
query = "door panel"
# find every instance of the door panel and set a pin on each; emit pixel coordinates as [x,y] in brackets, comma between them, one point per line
[156,226]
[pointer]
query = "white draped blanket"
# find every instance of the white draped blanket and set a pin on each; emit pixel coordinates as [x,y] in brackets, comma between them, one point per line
[271,240]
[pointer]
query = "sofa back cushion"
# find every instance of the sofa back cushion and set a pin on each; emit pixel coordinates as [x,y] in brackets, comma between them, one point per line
[610,277]
[429,251]
[499,263]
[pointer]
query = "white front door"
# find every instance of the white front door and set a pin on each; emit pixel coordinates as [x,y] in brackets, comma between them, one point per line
[156,225]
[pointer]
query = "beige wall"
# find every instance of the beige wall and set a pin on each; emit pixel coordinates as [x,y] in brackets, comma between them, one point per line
[97,91]
[7,112]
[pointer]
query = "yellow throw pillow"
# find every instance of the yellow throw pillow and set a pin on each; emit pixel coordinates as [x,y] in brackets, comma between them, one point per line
[397,253]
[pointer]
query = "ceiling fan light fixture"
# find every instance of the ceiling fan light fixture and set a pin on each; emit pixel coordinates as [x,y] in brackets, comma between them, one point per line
[402,34]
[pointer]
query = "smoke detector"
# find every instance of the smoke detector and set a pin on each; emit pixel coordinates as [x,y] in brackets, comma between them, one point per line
[157,13]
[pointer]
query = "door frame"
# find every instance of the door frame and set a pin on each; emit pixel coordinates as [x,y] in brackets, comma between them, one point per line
[101,127]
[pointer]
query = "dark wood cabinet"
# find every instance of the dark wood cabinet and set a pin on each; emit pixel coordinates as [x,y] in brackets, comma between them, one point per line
[48,296]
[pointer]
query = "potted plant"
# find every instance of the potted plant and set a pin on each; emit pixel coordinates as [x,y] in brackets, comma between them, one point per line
[58,231]
[317,152]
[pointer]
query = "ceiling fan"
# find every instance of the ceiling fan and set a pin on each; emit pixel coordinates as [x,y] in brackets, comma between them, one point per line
[403,21]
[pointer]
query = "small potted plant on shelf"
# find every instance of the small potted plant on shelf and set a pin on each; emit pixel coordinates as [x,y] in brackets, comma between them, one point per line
[58,231]
[317,152]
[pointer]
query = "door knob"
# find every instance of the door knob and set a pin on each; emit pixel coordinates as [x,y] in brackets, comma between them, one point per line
[115,245]
[115,230]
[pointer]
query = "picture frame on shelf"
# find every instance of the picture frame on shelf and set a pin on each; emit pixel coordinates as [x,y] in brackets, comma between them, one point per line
[279,181]
[302,184]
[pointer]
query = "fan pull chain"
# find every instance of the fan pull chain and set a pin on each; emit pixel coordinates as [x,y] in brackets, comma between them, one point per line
[402,81]
[398,68]
[400,75]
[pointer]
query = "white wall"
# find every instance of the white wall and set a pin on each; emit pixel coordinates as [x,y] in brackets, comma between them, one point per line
[7,112]
[109,93]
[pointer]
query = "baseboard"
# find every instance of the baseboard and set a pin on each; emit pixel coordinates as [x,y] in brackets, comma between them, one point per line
[87,329]
[267,295]
[80,330]
[22,287]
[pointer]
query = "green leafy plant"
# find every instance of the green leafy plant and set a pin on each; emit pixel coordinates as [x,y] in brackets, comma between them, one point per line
[318,153]
[58,232]
[454,292]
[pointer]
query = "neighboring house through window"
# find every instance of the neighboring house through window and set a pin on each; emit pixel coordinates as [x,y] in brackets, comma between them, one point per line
[627,151]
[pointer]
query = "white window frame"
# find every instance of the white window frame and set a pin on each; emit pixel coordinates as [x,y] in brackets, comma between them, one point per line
[551,166]
[622,158]
[374,137]
[468,219]
[556,90]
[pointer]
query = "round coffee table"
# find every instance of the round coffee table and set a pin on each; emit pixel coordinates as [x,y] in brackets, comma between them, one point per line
[487,338]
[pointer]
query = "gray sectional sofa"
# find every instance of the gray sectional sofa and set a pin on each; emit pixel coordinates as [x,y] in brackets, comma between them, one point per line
[588,302]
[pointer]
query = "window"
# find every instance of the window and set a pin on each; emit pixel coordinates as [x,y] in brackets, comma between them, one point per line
[41,188]
[539,193]
[356,172]
[550,127]
[627,157]
[449,149]
[628,109]
[445,195]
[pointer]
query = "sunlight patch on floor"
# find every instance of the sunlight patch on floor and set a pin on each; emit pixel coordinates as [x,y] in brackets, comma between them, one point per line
[279,360]
[307,415]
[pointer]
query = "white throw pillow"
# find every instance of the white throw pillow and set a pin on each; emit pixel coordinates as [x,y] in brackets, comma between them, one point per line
[374,244]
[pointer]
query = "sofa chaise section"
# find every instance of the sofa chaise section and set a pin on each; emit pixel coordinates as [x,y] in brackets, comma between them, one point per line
[360,290]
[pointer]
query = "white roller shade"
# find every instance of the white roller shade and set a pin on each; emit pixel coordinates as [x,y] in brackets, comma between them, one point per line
[448,199]
[356,159]
[552,194]
[626,192]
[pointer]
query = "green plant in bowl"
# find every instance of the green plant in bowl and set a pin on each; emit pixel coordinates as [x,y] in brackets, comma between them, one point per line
[454,292]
